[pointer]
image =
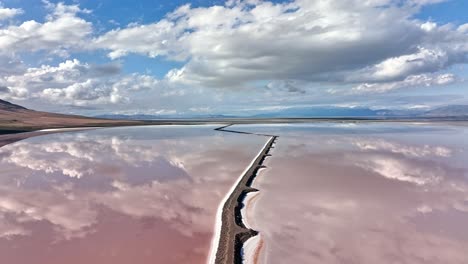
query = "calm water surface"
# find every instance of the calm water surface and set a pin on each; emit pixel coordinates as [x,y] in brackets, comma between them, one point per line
[121,195]
[367,193]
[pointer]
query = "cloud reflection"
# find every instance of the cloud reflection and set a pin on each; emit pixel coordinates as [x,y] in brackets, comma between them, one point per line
[338,197]
[68,182]
[411,151]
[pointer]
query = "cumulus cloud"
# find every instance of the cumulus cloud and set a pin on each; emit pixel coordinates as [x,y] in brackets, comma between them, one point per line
[297,48]
[77,83]
[463,28]
[81,93]
[13,93]
[422,61]
[62,31]
[6,13]
[137,82]
[422,80]
[247,41]
[154,40]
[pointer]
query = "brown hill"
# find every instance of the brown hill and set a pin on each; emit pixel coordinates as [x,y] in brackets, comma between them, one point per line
[15,118]
[7,106]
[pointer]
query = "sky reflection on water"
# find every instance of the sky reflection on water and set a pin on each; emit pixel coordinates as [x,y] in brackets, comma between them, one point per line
[364,193]
[121,195]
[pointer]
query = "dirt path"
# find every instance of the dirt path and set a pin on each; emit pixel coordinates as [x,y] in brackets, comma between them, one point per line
[234,233]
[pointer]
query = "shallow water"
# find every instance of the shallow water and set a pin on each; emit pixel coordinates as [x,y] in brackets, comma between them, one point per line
[363,193]
[119,195]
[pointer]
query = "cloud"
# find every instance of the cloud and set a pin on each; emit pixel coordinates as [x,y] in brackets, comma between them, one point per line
[62,31]
[463,28]
[400,67]
[422,80]
[4,89]
[154,40]
[286,86]
[300,51]
[6,13]
[76,83]
[248,41]
[82,93]
[137,82]
[13,93]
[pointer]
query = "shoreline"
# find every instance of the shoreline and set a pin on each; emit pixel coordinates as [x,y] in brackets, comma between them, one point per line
[252,248]
[248,203]
[230,231]
[219,213]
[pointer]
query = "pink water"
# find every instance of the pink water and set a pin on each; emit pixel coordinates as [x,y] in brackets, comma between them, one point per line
[122,195]
[366,194]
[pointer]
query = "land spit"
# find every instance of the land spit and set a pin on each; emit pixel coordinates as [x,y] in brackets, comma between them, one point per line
[233,232]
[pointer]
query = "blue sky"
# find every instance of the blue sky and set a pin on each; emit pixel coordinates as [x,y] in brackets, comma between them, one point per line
[232,57]
[446,12]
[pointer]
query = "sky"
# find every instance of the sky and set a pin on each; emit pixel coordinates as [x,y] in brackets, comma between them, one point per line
[235,57]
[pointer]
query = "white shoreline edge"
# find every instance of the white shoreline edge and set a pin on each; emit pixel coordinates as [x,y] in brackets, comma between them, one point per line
[244,211]
[250,246]
[249,249]
[258,173]
[219,212]
[67,129]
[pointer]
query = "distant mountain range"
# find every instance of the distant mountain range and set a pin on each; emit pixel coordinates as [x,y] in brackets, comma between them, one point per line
[452,111]
[329,112]
[153,117]
[446,111]
[17,118]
